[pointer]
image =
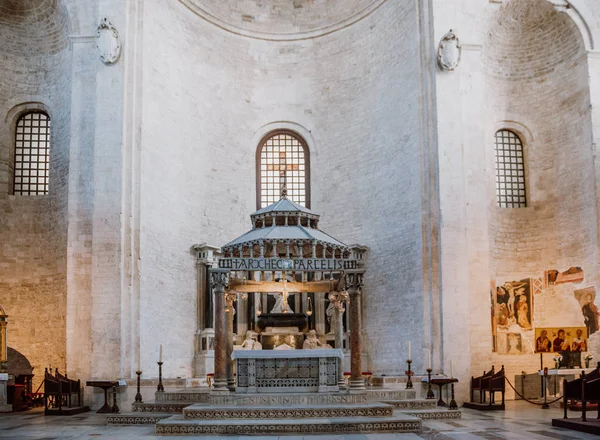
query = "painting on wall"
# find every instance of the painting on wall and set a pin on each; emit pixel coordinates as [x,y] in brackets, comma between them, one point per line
[586,298]
[555,339]
[513,306]
[572,275]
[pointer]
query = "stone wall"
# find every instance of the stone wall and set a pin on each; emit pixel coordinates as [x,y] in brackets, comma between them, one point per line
[355,91]
[35,74]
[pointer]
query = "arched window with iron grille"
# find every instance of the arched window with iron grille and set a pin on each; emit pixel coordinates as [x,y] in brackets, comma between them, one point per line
[282,159]
[510,170]
[32,154]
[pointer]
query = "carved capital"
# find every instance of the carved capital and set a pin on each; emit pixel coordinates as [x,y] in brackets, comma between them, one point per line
[230,297]
[338,298]
[219,280]
[354,282]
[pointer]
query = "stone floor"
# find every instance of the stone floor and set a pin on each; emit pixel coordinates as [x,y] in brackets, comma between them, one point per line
[520,421]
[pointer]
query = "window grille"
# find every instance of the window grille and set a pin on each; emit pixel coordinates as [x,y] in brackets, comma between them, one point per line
[32,154]
[510,170]
[283,161]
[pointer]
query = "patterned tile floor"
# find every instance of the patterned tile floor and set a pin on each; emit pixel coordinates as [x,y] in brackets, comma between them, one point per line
[520,421]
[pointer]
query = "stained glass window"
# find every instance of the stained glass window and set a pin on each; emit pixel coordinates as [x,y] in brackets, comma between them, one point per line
[32,154]
[283,162]
[510,170]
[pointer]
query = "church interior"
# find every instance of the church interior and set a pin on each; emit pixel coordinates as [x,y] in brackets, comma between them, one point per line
[273,217]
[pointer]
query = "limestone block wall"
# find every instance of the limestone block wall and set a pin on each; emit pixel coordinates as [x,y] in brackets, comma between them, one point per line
[355,92]
[537,75]
[35,74]
[524,68]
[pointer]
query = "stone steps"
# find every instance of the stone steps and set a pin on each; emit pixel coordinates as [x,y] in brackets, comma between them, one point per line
[160,407]
[381,394]
[193,395]
[399,423]
[136,418]
[205,412]
[412,403]
[434,413]
[282,399]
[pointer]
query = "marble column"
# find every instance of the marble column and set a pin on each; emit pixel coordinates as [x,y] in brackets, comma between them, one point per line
[354,287]
[339,339]
[219,281]
[229,311]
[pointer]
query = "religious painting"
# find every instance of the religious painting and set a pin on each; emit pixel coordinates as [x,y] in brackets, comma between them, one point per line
[512,343]
[560,339]
[586,298]
[513,306]
[572,275]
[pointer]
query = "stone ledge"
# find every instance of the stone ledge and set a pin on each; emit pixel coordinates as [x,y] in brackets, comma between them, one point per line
[396,424]
[203,412]
[286,399]
[159,407]
[412,404]
[135,419]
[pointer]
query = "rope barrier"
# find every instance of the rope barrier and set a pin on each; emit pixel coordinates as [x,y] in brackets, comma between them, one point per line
[530,401]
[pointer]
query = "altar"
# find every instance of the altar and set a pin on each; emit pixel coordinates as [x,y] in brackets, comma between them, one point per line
[285,371]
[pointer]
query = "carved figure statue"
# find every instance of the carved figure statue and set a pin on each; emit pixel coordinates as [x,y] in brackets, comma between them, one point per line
[251,342]
[279,304]
[312,341]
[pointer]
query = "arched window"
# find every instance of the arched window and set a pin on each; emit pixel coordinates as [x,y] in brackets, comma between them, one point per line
[282,159]
[510,170]
[32,154]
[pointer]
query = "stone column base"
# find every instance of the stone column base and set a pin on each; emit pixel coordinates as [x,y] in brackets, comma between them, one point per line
[4,407]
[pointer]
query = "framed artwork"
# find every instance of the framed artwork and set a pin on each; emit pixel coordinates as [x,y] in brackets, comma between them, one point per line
[560,339]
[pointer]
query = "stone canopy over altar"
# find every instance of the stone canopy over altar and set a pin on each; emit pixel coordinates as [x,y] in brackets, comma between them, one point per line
[281,288]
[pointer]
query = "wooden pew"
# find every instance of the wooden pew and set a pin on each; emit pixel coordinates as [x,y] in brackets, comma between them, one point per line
[477,384]
[575,390]
[69,388]
[494,384]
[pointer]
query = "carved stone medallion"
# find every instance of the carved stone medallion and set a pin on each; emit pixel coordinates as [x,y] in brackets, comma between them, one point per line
[108,42]
[449,51]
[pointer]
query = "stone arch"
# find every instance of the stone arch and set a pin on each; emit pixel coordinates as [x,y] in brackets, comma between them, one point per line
[536,82]
[18,363]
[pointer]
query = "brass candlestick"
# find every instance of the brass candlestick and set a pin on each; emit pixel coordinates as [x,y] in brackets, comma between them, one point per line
[160,386]
[409,373]
[430,394]
[453,404]
[138,396]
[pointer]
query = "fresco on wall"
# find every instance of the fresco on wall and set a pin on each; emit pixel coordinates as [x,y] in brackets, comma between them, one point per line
[512,313]
[572,275]
[555,339]
[513,308]
[586,298]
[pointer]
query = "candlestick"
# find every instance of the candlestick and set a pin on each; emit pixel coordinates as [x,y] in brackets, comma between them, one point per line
[428,359]
[430,394]
[409,356]
[409,373]
[138,396]
[160,386]
[160,354]
[451,370]
[452,404]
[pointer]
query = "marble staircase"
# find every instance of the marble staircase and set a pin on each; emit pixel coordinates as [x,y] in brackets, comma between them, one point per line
[194,411]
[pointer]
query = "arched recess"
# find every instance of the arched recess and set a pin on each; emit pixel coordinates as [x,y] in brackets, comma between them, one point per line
[536,83]
[18,363]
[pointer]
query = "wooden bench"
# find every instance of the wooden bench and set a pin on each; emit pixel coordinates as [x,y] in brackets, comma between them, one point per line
[476,385]
[585,389]
[488,384]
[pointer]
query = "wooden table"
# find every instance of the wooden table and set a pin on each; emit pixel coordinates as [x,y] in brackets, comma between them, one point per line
[440,383]
[106,385]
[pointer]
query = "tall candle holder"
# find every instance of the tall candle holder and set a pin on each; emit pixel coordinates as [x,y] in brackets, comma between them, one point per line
[430,394]
[138,396]
[160,386]
[409,373]
[452,404]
